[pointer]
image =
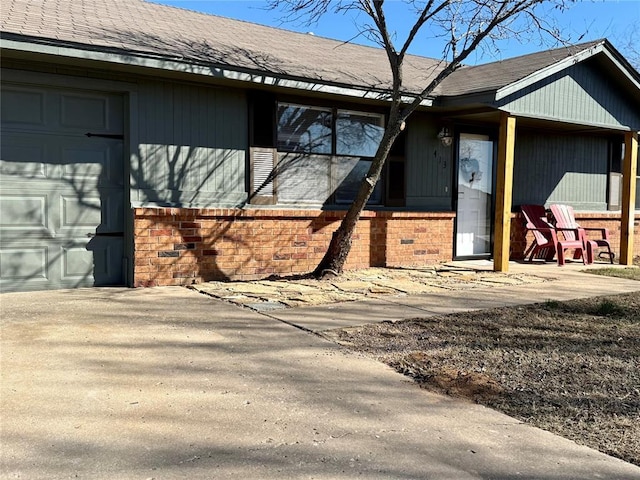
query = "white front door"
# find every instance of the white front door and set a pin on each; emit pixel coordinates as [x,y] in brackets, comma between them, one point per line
[475,191]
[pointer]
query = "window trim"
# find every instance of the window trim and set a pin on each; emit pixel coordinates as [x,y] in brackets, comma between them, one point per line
[614,174]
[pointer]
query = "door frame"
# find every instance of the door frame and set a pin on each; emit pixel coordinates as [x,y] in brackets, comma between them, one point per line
[492,133]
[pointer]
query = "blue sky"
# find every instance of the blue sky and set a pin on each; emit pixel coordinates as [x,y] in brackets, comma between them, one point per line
[618,20]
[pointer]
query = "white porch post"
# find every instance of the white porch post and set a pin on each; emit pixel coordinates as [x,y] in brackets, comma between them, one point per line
[504,192]
[629,172]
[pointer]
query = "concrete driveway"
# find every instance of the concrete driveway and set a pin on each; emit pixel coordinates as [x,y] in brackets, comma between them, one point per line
[167,383]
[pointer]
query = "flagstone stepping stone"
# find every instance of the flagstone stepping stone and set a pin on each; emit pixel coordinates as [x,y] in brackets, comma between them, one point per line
[287,287]
[407,286]
[382,290]
[252,288]
[352,286]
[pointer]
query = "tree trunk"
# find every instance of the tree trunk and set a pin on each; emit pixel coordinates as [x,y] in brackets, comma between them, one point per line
[341,241]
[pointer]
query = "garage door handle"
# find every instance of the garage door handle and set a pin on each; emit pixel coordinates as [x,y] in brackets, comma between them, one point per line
[105,135]
[105,234]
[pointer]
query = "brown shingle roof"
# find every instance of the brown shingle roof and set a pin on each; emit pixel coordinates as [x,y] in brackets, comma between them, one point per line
[495,75]
[140,27]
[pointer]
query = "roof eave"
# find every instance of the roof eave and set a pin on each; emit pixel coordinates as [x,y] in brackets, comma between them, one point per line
[227,72]
[481,97]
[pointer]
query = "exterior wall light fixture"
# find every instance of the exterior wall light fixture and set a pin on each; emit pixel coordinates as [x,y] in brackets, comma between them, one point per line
[445,137]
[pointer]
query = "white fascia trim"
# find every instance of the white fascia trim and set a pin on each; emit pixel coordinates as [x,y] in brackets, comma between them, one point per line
[626,72]
[197,69]
[561,65]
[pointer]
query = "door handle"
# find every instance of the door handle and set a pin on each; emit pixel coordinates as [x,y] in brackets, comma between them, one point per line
[105,234]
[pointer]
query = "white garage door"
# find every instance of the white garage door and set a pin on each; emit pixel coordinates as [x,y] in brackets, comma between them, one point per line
[61,190]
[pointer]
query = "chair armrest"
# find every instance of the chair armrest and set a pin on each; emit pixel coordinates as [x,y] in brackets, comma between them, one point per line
[603,231]
[579,232]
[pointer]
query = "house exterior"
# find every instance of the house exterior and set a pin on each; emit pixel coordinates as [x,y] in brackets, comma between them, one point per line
[148,145]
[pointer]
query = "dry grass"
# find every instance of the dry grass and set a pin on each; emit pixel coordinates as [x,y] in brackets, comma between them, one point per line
[572,368]
[631,273]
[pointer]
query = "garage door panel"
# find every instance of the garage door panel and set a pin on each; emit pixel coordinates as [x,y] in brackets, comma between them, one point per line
[22,107]
[112,212]
[77,263]
[84,163]
[22,158]
[93,158]
[96,113]
[49,108]
[107,260]
[83,112]
[23,212]
[79,215]
[113,174]
[24,263]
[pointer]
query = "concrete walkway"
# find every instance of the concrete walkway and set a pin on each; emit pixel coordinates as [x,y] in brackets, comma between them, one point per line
[168,383]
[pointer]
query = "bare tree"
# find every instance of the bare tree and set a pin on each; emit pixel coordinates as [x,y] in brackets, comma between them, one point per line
[461,26]
[630,47]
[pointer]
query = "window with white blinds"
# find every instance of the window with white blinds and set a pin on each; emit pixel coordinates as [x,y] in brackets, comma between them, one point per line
[324,153]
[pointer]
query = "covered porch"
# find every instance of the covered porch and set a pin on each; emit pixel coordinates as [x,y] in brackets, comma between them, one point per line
[504,193]
[564,131]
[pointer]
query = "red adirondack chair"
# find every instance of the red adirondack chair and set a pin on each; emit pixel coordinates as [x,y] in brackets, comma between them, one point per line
[546,239]
[565,218]
[544,234]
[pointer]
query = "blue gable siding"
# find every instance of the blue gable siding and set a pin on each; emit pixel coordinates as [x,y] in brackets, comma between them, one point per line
[580,94]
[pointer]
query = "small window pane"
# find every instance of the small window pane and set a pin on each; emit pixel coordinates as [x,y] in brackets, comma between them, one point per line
[349,175]
[358,134]
[303,178]
[304,129]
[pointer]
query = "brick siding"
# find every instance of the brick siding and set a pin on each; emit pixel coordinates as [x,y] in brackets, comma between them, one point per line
[181,246]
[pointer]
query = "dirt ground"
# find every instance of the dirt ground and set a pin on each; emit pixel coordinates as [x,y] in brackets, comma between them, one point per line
[572,368]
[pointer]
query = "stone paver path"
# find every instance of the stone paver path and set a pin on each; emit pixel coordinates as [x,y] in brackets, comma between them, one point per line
[357,285]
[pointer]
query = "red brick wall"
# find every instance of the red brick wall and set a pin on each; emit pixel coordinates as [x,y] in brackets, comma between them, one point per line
[183,246]
[519,241]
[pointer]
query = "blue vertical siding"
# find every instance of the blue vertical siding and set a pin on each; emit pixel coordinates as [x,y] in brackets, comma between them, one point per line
[428,166]
[192,144]
[568,169]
